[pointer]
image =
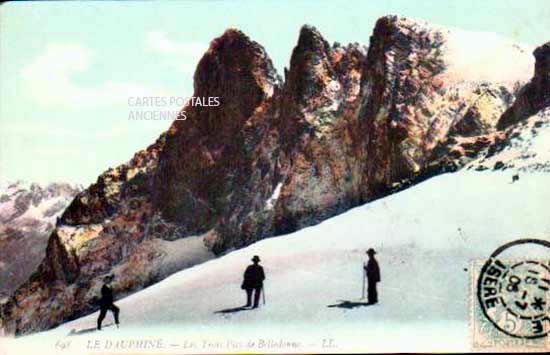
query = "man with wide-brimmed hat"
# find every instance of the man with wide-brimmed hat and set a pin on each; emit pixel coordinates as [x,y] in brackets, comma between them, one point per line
[253,281]
[106,301]
[373,276]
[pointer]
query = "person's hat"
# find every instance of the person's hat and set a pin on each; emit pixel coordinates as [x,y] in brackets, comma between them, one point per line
[371,251]
[109,277]
[256,258]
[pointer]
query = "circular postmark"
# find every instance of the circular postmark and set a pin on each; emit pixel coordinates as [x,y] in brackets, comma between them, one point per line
[514,294]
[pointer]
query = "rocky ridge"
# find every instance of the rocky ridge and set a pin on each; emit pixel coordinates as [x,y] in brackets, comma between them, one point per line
[28,215]
[534,96]
[347,125]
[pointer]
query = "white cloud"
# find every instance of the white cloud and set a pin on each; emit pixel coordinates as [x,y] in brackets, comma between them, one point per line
[184,55]
[48,79]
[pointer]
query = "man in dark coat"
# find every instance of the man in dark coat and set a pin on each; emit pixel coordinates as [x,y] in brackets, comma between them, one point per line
[253,281]
[106,302]
[373,276]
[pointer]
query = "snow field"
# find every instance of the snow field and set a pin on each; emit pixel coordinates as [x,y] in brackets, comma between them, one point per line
[424,259]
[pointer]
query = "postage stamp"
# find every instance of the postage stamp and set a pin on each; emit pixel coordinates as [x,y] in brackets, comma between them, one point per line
[510,298]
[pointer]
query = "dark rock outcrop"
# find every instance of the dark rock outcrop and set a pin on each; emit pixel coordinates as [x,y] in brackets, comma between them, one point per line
[322,154]
[534,96]
[212,156]
[404,61]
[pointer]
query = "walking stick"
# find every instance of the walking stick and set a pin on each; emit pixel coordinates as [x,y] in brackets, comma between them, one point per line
[263,294]
[363,294]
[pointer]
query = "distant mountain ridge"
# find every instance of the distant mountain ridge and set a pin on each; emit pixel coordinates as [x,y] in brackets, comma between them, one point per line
[28,214]
[347,125]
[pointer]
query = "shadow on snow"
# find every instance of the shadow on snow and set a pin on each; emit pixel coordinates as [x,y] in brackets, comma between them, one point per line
[349,304]
[86,331]
[233,310]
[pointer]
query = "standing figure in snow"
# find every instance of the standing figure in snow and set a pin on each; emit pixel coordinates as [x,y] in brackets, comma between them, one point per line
[253,281]
[373,276]
[106,302]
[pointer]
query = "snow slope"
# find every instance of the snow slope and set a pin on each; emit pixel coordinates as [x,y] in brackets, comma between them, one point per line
[496,58]
[424,293]
[527,150]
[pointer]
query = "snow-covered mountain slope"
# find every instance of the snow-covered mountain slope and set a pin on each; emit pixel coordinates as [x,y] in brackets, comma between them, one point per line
[527,148]
[426,238]
[28,214]
[485,56]
[22,200]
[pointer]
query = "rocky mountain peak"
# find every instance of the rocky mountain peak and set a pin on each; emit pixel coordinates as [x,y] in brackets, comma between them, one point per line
[201,153]
[310,66]
[310,39]
[404,89]
[542,64]
[28,215]
[542,73]
[534,96]
[234,57]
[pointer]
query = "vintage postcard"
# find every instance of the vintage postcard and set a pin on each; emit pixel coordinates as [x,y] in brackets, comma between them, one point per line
[258,177]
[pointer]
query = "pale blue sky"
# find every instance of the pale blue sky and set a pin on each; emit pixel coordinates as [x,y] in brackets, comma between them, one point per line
[68,68]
